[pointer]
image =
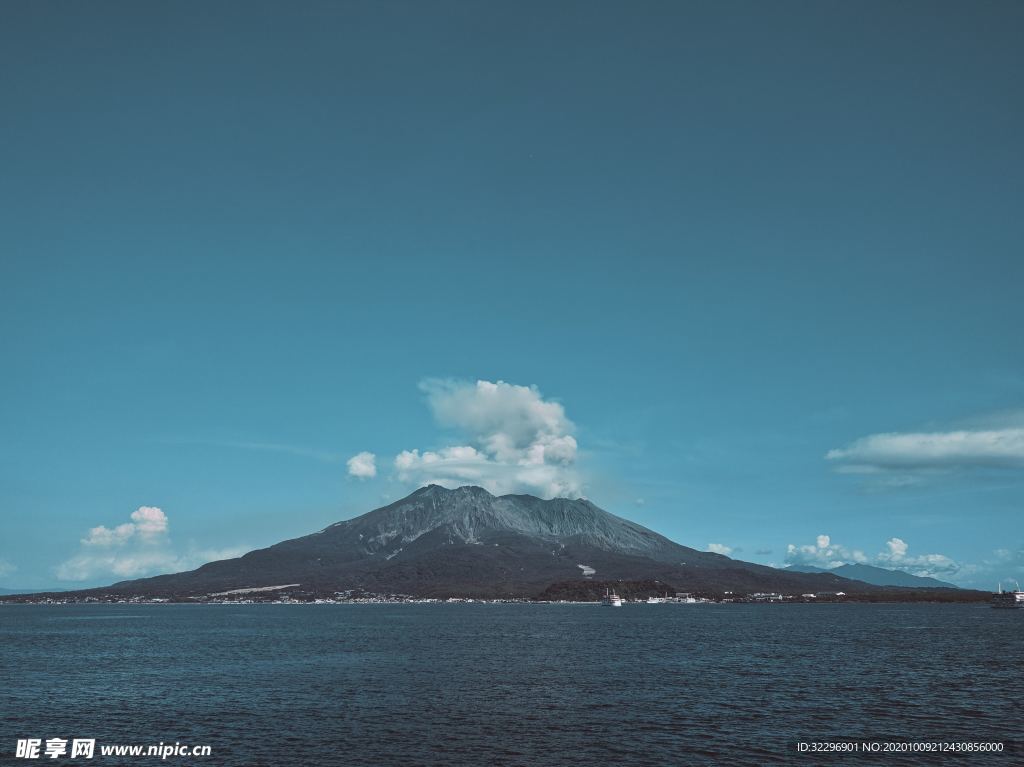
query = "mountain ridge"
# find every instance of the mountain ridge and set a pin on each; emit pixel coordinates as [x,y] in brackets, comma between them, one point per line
[877,576]
[466,542]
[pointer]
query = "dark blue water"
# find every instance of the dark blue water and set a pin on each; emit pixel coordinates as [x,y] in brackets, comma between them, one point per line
[510,684]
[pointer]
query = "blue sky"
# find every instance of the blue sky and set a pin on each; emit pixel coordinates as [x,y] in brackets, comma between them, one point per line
[243,243]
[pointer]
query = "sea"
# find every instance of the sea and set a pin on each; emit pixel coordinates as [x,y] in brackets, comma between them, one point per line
[515,684]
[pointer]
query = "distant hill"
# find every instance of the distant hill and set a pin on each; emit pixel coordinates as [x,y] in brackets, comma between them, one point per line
[877,576]
[466,542]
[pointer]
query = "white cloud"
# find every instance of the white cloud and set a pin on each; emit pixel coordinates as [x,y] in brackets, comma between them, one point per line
[897,548]
[977,448]
[720,548]
[363,465]
[139,563]
[897,558]
[1004,567]
[134,549]
[823,553]
[6,568]
[106,536]
[147,522]
[828,555]
[519,442]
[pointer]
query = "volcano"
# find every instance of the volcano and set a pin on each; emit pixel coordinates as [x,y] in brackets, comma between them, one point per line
[466,542]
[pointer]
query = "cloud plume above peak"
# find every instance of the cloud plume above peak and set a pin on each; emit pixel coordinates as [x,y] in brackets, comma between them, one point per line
[517,441]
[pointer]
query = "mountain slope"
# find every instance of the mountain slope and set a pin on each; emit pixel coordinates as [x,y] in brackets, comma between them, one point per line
[467,542]
[877,576]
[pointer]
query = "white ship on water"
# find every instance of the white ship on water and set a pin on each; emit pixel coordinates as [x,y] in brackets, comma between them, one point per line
[1008,600]
[611,599]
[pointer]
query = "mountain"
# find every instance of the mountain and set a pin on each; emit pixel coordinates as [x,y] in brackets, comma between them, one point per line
[467,542]
[877,576]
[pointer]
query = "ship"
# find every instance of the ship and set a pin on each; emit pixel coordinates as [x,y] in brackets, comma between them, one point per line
[1008,600]
[611,599]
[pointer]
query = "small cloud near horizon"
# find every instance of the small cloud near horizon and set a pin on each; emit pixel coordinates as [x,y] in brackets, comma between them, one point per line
[134,549]
[826,554]
[1007,565]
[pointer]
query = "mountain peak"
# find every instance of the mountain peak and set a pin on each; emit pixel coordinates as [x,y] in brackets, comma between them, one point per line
[440,490]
